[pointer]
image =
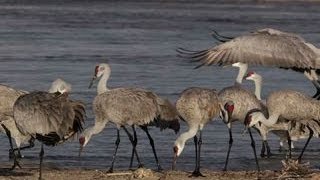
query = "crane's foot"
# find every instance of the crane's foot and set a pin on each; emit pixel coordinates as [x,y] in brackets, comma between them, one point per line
[281,149]
[110,170]
[196,173]
[269,154]
[140,166]
[12,155]
[159,168]
[15,164]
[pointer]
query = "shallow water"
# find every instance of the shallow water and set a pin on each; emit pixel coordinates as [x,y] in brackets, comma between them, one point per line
[41,41]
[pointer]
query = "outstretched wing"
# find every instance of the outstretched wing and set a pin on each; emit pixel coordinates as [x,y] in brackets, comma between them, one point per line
[266,47]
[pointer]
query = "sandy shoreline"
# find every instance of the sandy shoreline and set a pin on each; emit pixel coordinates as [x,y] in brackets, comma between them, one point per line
[81,174]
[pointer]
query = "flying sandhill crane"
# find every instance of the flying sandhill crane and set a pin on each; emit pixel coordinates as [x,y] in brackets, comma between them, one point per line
[51,118]
[197,106]
[8,96]
[128,106]
[265,47]
[292,106]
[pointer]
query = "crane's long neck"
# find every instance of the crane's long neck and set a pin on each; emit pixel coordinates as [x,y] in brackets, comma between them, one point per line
[102,85]
[187,135]
[95,129]
[258,86]
[242,71]
[270,121]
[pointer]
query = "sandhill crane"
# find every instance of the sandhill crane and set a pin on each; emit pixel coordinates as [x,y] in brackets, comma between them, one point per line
[197,106]
[265,47]
[243,100]
[128,106]
[8,96]
[292,106]
[277,130]
[296,130]
[51,118]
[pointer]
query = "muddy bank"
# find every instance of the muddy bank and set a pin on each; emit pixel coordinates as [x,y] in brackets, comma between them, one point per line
[81,174]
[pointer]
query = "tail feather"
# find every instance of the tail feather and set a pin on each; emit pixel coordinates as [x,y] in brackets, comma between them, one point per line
[78,120]
[80,116]
[163,124]
[50,139]
[300,129]
[167,115]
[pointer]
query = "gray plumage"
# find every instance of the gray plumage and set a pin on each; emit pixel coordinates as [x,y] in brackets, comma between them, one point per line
[8,96]
[243,100]
[297,130]
[128,106]
[265,47]
[42,114]
[198,105]
[293,106]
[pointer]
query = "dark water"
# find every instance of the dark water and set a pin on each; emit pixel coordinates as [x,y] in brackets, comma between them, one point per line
[41,41]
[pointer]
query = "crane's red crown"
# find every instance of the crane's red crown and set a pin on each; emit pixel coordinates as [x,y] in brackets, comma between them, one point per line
[229,107]
[82,140]
[175,149]
[96,70]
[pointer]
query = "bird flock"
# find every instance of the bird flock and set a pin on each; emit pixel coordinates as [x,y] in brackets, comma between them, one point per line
[53,118]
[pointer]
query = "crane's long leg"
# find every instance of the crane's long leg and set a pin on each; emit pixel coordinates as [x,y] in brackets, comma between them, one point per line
[134,144]
[266,145]
[16,163]
[305,146]
[31,145]
[253,145]
[196,172]
[145,129]
[135,140]
[229,148]
[289,144]
[263,149]
[41,159]
[195,140]
[115,151]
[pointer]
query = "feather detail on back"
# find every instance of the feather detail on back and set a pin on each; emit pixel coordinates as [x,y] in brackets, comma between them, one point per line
[50,118]
[8,97]
[127,106]
[198,105]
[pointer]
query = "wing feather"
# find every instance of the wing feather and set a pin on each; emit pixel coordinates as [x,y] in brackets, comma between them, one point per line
[266,47]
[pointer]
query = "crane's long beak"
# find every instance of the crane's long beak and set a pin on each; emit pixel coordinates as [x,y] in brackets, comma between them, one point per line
[80,150]
[92,80]
[174,161]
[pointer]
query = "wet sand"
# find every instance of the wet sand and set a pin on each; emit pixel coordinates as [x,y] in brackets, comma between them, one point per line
[80,174]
